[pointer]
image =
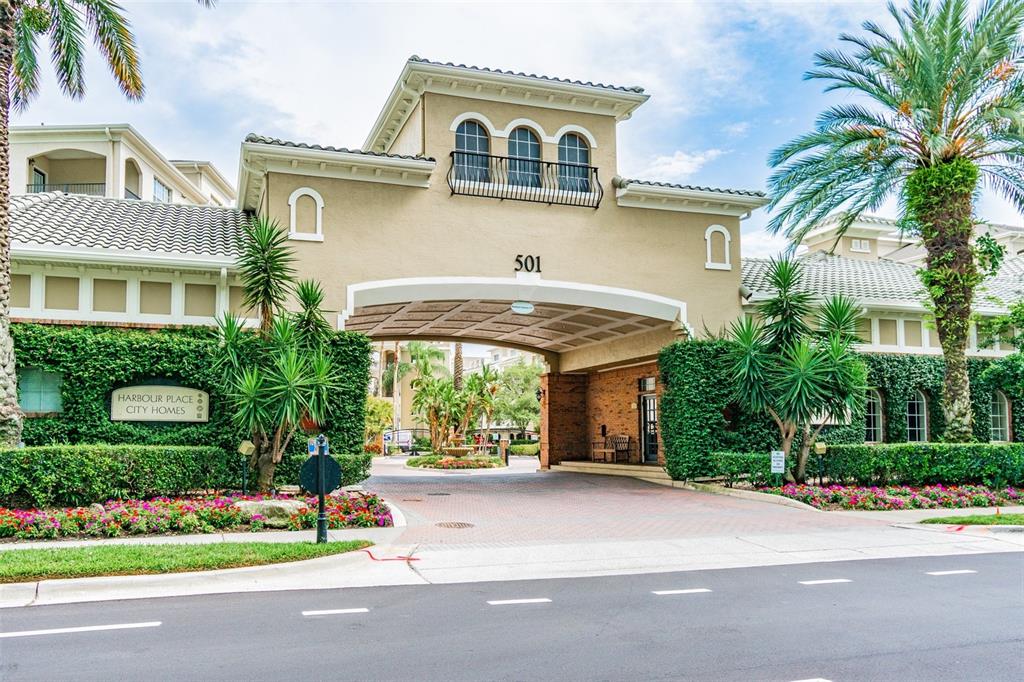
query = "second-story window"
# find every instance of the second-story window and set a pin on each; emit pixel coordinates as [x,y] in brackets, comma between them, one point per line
[161,192]
[524,158]
[573,163]
[472,147]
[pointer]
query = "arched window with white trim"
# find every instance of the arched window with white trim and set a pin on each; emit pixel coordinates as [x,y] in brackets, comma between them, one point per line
[306,210]
[472,147]
[917,418]
[873,420]
[524,158]
[573,163]
[1000,417]
[717,241]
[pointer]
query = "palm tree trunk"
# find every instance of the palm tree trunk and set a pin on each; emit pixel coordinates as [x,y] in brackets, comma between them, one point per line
[10,413]
[395,407]
[380,370]
[457,368]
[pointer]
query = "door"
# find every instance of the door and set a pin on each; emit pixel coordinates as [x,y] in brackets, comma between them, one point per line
[649,427]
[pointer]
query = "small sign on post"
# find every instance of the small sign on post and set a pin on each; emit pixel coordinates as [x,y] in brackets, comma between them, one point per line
[778,462]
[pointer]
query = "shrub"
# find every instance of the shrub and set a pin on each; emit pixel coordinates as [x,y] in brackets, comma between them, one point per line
[355,468]
[522,441]
[82,474]
[992,464]
[527,450]
[421,444]
[372,448]
[447,462]
[754,467]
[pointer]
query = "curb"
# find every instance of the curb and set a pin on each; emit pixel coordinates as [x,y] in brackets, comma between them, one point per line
[747,495]
[397,517]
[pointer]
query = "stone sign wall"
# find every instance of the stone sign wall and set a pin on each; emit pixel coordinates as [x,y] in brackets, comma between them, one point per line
[159,404]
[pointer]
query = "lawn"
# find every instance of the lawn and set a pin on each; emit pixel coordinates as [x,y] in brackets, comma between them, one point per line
[980,520]
[24,565]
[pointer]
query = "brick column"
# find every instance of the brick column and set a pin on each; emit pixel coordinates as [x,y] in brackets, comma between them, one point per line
[563,418]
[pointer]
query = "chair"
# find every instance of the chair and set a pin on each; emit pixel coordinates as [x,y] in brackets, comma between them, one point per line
[621,446]
[601,451]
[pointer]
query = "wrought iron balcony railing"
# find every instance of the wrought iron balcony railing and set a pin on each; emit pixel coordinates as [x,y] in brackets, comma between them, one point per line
[508,177]
[96,189]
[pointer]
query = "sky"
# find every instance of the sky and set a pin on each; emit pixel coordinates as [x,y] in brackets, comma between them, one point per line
[725,77]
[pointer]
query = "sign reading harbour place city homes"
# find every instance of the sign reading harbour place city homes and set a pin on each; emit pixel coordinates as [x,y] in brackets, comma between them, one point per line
[155,403]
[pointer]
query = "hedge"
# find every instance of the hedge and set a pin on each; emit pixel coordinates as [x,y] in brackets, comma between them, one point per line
[753,467]
[355,468]
[76,475]
[992,464]
[93,361]
[528,450]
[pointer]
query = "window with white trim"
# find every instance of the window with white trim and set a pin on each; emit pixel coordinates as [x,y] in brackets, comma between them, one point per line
[162,192]
[860,245]
[305,214]
[39,391]
[472,146]
[717,241]
[917,418]
[873,431]
[524,158]
[573,162]
[1000,424]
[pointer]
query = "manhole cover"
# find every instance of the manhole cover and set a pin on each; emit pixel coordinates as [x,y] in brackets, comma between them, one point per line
[439,494]
[454,524]
[411,499]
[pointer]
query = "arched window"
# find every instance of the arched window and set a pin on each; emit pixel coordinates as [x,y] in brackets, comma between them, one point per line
[472,146]
[873,432]
[717,244]
[573,162]
[1000,417]
[524,161]
[306,211]
[917,418]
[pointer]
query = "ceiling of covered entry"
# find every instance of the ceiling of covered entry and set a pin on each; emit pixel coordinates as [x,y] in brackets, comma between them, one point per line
[551,326]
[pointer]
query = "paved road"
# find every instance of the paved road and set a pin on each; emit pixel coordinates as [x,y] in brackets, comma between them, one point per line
[861,620]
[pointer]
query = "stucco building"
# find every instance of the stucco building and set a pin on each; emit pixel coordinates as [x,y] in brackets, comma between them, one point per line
[594,271]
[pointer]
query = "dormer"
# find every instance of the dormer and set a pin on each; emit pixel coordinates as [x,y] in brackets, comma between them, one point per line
[868,238]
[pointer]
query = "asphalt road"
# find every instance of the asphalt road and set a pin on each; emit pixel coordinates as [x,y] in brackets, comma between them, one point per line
[862,620]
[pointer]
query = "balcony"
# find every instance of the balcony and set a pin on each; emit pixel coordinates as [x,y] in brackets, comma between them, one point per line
[96,189]
[128,194]
[503,177]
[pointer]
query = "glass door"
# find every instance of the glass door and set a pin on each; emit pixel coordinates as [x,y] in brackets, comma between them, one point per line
[649,427]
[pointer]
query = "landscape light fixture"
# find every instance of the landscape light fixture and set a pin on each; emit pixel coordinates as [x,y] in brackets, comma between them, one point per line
[522,307]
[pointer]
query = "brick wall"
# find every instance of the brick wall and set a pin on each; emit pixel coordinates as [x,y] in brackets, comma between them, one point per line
[563,421]
[613,399]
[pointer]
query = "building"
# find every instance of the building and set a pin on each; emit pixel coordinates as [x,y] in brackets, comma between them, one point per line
[593,271]
[112,161]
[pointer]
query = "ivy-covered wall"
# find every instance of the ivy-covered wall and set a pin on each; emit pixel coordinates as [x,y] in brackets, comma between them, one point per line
[93,361]
[698,416]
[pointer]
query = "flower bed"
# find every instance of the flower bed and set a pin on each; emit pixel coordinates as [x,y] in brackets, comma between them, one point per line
[164,515]
[446,462]
[897,497]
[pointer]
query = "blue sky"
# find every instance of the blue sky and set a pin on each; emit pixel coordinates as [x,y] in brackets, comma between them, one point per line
[725,78]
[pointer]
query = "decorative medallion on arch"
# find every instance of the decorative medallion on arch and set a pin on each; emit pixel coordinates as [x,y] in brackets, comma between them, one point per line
[717,241]
[306,209]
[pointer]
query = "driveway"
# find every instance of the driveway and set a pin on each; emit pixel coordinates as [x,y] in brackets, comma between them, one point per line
[522,506]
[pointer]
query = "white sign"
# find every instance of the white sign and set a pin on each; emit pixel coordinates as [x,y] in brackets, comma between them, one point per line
[159,404]
[778,462]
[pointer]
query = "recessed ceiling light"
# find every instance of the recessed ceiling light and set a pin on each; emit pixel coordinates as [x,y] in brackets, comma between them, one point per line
[522,307]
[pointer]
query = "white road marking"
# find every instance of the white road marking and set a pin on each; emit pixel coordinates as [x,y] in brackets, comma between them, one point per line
[84,628]
[813,679]
[825,582]
[960,572]
[506,602]
[695,590]
[332,612]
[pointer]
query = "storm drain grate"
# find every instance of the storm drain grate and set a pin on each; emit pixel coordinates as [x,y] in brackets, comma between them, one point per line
[454,524]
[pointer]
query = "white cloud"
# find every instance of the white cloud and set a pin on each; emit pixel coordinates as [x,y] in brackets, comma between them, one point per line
[680,166]
[757,243]
[738,129]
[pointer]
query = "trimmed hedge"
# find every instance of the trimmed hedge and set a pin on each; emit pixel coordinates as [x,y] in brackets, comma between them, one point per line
[753,467]
[77,475]
[93,361]
[531,450]
[991,464]
[355,468]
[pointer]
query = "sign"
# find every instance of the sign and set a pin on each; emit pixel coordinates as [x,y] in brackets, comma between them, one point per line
[332,475]
[778,462]
[526,263]
[157,403]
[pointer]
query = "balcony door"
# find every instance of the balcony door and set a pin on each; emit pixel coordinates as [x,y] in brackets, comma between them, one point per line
[649,428]
[38,180]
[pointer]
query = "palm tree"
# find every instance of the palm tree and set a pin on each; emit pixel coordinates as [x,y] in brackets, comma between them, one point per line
[266,267]
[944,110]
[492,384]
[457,366]
[21,24]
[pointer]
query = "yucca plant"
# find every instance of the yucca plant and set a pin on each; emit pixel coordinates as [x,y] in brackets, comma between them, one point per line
[65,25]
[940,110]
[804,379]
[266,266]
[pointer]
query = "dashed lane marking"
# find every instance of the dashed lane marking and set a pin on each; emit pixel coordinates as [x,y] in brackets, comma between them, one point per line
[508,602]
[84,628]
[334,612]
[958,572]
[695,590]
[831,581]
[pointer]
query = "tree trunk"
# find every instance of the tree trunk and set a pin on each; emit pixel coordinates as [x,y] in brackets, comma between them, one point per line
[457,367]
[940,200]
[10,413]
[380,370]
[265,473]
[395,407]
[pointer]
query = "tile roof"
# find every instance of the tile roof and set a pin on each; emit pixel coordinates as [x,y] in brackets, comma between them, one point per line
[695,188]
[263,139]
[482,69]
[878,280]
[75,220]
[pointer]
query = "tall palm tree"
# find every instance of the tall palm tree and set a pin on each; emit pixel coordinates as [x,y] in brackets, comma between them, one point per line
[457,366]
[943,110]
[65,23]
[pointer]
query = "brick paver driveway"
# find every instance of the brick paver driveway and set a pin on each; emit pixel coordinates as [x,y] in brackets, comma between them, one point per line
[540,507]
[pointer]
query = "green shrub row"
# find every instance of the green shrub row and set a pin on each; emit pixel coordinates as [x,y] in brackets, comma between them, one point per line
[523,441]
[77,475]
[355,468]
[531,449]
[752,467]
[991,464]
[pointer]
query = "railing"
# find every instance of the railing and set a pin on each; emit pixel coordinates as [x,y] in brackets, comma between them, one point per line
[96,189]
[128,194]
[508,177]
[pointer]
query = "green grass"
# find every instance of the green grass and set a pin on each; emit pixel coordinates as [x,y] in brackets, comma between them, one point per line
[24,565]
[981,520]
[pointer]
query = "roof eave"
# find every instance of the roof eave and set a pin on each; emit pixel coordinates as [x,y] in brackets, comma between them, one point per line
[638,195]
[114,257]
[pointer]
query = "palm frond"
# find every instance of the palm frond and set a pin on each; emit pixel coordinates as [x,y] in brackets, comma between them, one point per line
[29,24]
[67,47]
[112,33]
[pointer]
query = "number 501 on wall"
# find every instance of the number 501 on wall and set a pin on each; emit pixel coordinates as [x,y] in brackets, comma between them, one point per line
[527,263]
